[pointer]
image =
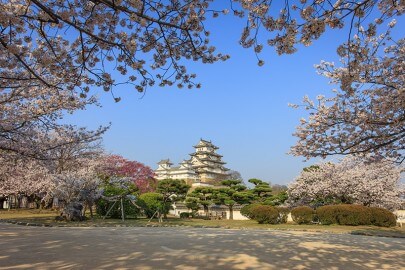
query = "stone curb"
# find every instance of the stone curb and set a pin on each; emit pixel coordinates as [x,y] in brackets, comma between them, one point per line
[188,226]
[25,223]
[10,221]
[377,234]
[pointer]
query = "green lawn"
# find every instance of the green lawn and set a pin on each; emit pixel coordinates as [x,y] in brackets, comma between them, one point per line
[47,217]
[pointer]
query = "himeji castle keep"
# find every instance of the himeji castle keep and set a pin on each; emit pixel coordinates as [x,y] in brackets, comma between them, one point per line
[205,166]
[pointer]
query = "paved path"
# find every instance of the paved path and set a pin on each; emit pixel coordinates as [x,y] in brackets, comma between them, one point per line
[25,247]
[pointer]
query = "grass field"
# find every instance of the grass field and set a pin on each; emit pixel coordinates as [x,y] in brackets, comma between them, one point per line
[47,217]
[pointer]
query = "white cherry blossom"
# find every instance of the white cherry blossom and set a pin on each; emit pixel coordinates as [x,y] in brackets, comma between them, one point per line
[355,180]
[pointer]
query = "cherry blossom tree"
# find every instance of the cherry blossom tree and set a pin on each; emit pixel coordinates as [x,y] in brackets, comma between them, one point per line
[53,52]
[29,122]
[81,186]
[354,180]
[140,174]
[68,45]
[29,114]
[74,149]
[64,161]
[32,178]
[24,177]
[367,113]
[68,186]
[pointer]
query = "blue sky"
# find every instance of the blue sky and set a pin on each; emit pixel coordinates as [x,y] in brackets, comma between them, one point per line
[241,107]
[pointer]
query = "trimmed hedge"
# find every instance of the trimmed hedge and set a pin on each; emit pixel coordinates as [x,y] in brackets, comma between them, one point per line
[344,214]
[303,215]
[185,215]
[382,217]
[354,215]
[283,214]
[265,213]
[246,210]
[327,214]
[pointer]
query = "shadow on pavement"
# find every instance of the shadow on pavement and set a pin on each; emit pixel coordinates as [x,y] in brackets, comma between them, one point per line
[191,248]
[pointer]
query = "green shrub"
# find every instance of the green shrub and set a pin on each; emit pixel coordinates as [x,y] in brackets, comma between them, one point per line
[382,217]
[246,210]
[265,214]
[283,214]
[151,202]
[303,215]
[354,215]
[102,207]
[185,215]
[327,214]
[112,190]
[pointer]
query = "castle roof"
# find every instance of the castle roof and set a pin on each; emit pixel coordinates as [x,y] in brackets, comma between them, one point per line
[186,161]
[203,143]
[205,152]
[211,160]
[210,172]
[213,166]
[205,160]
[165,161]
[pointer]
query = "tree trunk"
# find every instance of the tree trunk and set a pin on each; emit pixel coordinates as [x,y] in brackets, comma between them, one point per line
[231,212]
[122,210]
[91,210]
[9,202]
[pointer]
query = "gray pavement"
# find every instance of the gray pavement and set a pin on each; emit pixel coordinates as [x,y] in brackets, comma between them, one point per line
[26,247]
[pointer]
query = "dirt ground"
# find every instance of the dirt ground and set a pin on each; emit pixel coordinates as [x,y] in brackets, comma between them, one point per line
[28,247]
